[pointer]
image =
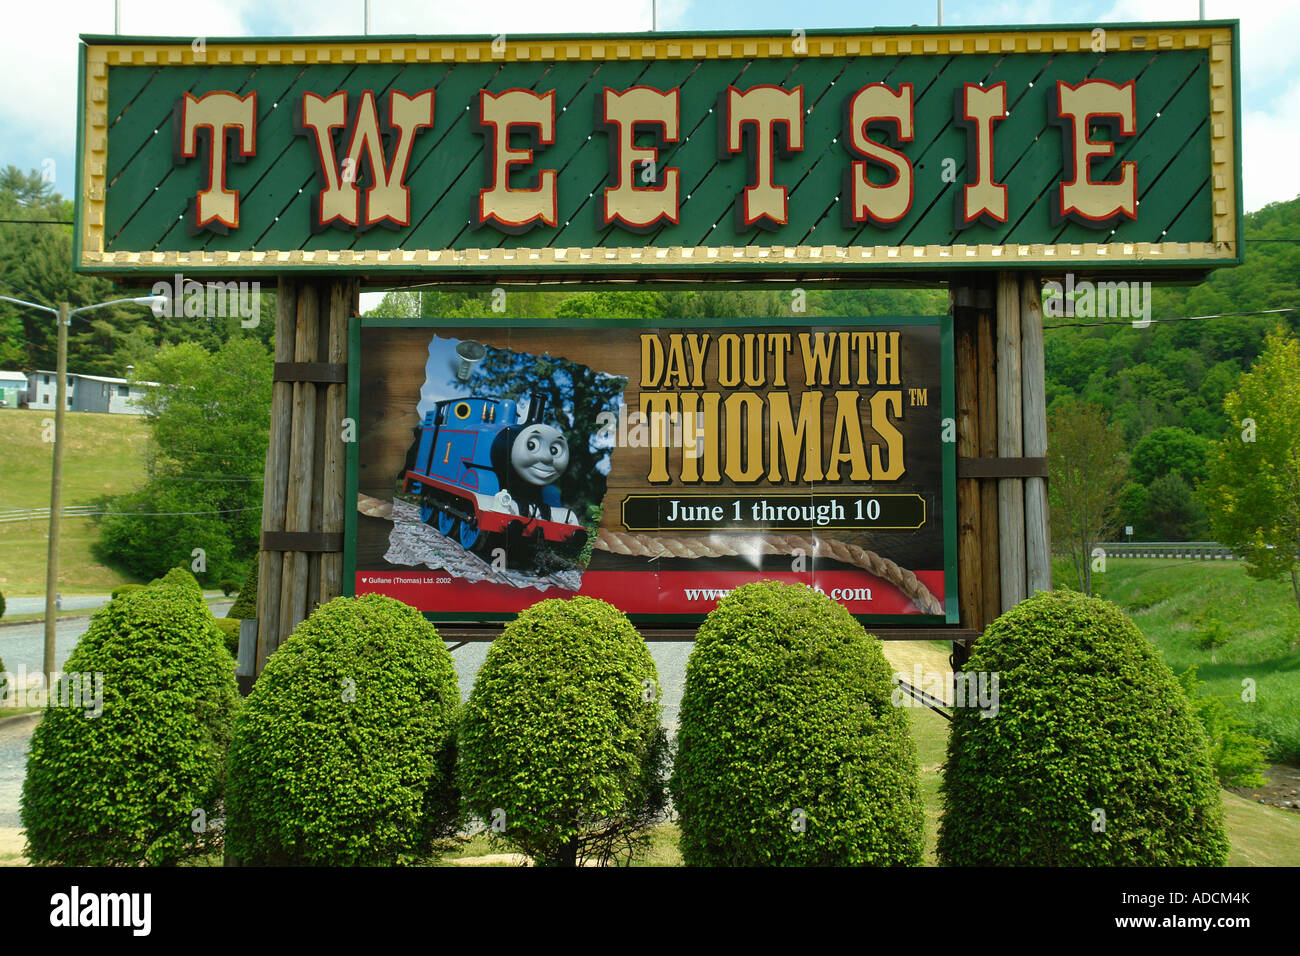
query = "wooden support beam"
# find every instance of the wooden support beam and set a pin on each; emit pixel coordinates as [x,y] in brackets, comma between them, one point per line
[986,363]
[1011,491]
[271,563]
[302,462]
[970,596]
[345,302]
[1038,552]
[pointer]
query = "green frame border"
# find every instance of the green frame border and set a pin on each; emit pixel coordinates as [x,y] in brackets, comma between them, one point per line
[848,274]
[944,323]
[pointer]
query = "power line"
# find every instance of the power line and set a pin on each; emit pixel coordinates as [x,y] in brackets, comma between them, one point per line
[168,514]
[1183,318]
[41,222]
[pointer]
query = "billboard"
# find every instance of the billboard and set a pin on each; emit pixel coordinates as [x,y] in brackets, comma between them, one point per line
[856,152]
[656,464]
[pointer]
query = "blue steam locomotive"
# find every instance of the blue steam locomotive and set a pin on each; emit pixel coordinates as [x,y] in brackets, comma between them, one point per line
[483,477]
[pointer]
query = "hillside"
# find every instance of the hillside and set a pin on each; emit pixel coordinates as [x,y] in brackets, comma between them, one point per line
[105,454]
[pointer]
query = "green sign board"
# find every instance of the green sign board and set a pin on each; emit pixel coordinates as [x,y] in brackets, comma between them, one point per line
[737,155]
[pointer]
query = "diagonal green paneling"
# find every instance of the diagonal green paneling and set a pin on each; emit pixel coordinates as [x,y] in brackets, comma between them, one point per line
[147,193]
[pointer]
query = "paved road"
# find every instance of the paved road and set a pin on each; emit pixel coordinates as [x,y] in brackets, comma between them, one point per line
[70,602]
[23,645]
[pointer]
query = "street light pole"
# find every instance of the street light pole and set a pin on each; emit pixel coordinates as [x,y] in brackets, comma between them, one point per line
[63,316]
[56,493]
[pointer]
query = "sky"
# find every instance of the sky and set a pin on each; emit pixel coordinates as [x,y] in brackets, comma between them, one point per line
[38,49]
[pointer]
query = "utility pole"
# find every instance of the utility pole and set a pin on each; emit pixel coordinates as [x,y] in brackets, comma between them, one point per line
[56,493]
[63,317]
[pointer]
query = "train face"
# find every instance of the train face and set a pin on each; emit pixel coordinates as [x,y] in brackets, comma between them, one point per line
[482,475]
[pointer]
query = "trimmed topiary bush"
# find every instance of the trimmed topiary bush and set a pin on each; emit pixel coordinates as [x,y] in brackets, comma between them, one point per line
[561,748]
[183,579]
[121,589]
[343,753]
[122,788]
[245,605]
[230,633]
[1093,758]
[789,750]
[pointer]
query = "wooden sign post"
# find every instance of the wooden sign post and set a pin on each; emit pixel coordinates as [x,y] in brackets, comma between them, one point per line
[988,160]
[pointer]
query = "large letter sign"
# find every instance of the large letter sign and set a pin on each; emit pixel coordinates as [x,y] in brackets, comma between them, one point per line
[857,154]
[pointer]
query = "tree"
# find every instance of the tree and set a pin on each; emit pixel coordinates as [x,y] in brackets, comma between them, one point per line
[1252,491]
[1173,513]
[208,419]
[1168,450]
[1086,469]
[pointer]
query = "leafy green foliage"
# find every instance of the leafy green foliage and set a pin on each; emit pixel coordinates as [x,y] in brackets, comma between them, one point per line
[36,265]
[1252,492]
[343,752]
[181,578]
[2,604]
[1168,450]
[229,628]
[209,424]
[1236,756]
[1163,386]
[787,725]
[561,739]
[1086,467]
[122,788]
[1089,721]
[121,589]
[245,605]
[1172,511]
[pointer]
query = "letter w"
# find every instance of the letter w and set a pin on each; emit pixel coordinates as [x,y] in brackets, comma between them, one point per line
[388,199]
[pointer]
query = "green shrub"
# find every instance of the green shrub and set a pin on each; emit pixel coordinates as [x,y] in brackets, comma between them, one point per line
[1093,756]
[2,604]
[183,579]
[1276,719]
[228,587]
[245,605]
[4,682]
[561,741]
[1235,755]
[126,589]
[343,753]
[789,750]
[123,788]
[230,633]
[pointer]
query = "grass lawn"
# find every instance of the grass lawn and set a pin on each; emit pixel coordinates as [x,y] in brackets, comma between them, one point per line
[105,454]
[22,570]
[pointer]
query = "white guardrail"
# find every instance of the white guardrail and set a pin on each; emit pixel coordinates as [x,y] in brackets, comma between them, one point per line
[1196,550]
[43,514]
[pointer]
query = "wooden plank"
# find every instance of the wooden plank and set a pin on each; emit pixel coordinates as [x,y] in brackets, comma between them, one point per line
[298,499]
[1038,554]
[986,347]
[344,302]
[970,596]
[271,563]
[1011,491]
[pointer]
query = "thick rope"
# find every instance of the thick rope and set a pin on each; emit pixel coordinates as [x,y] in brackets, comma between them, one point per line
[719,546]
